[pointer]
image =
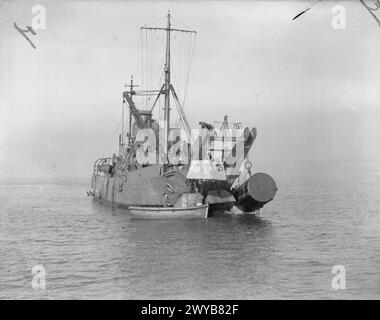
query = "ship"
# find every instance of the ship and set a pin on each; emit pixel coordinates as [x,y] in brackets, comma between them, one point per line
[164,170]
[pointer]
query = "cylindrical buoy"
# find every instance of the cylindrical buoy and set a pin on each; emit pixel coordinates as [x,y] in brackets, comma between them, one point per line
[258,190]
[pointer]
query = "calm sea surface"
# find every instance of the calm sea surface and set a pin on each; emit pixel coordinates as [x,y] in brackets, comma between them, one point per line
[91,251]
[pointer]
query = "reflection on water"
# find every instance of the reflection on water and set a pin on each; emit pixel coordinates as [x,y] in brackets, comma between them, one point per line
[91,250]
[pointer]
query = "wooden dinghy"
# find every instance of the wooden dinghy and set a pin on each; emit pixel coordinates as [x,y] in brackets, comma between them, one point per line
[194,212]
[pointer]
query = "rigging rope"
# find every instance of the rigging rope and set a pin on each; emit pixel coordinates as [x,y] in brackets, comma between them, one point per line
[189,70]
[183,46]
[112,140]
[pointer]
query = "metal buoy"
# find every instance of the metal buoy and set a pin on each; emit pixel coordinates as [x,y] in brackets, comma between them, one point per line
[258,190]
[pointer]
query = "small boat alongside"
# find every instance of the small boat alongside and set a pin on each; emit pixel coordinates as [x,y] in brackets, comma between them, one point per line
[152,213]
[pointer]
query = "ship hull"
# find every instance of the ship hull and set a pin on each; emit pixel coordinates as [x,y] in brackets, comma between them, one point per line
[153,213]
[148,187]
[142,187]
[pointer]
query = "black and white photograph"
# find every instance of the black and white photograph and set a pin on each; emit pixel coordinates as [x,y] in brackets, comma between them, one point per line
[189,151]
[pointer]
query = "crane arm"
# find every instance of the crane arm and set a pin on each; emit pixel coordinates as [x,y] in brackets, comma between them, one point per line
[135,113]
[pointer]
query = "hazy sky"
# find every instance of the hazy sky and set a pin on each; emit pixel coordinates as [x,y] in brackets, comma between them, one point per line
[311,91]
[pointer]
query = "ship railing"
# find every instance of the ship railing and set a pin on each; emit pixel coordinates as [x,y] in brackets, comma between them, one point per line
[100,165]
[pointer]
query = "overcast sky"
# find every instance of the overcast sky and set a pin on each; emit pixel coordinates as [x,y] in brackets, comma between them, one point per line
[311,91]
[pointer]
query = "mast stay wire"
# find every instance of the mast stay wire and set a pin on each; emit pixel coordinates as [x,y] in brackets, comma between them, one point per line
[158,75]
[111,144]
[153,42]
[190,62]
[188,52]
[143,71]
[148,51]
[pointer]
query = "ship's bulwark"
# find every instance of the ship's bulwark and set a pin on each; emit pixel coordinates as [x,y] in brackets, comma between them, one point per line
[142,187]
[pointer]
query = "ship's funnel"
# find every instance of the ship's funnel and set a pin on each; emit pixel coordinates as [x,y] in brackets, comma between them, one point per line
[255,192]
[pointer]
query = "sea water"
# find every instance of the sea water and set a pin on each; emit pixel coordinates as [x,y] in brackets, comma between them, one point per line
[58,243]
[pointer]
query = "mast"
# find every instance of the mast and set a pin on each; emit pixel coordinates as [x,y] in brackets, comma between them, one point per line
[130,114]
[167,80]
[167,86]
[128,97]
[122,124]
